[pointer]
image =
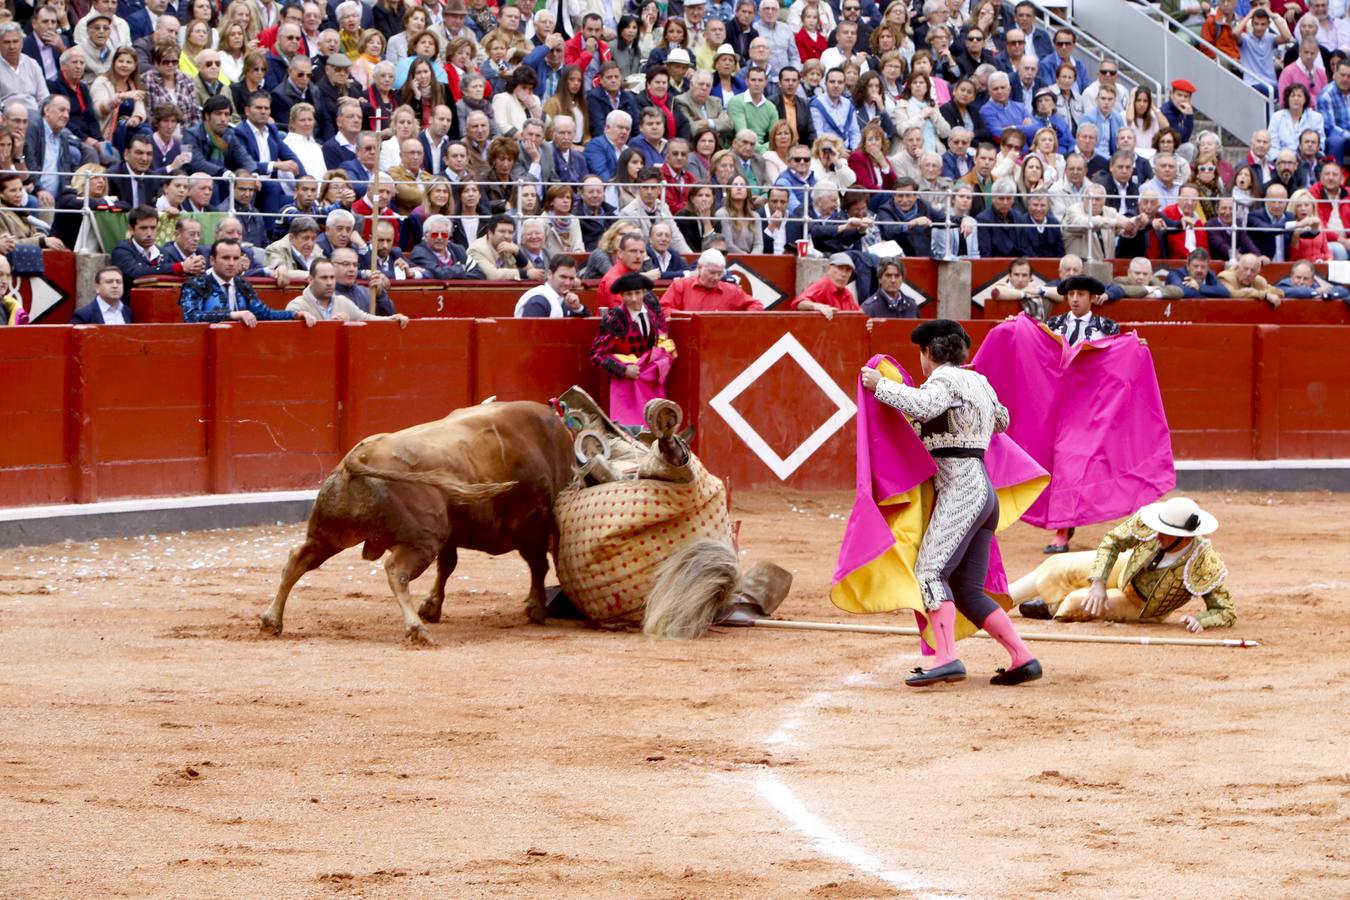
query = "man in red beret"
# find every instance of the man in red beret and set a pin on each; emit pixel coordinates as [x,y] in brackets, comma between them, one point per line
[1179,112]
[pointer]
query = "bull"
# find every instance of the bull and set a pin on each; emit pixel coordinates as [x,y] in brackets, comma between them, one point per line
[483,478]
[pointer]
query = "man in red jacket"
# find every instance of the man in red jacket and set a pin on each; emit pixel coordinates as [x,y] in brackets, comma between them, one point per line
[581,49]
[705,291]
[830,293]
[1333,208]
[1185,231]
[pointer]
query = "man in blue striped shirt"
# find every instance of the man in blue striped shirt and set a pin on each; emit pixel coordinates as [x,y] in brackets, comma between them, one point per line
[1334,105]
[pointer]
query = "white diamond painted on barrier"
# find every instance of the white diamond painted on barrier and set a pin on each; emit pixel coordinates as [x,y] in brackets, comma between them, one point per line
[786,346]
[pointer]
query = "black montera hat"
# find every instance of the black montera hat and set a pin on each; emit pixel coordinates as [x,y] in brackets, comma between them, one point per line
[632,281]
[1081,283]
[926,333]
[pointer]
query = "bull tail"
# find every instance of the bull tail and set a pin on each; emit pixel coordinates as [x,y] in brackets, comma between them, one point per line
[691,586]
[457,491]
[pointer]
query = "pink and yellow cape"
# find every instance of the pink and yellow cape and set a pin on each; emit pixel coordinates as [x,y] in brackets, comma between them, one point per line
[892,503]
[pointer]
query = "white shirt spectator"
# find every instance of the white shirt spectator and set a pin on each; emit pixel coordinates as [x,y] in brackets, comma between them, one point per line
[111,315]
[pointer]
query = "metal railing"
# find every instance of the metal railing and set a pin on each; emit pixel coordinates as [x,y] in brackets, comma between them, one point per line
[1145,32]
[939,200]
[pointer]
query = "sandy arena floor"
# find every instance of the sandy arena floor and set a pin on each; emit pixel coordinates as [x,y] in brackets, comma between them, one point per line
[154,744]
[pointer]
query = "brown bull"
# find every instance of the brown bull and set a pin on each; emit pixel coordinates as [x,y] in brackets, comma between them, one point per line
[483,478]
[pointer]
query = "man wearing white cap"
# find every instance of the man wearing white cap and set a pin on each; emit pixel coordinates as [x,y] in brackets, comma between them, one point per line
[678,63]
[695,20]
[1145,569]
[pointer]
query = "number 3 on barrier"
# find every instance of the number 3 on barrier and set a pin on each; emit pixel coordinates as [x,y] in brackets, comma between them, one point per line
[440,303]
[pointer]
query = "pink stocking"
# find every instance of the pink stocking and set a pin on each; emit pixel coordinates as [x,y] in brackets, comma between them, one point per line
[943,620]
[1000,628]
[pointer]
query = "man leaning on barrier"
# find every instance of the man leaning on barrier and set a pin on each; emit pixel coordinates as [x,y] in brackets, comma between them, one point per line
[320,300]
[221,295]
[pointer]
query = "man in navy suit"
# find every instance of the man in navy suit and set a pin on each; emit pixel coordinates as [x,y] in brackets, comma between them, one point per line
[608,97]
[1270,225]
[1040,235]
[138,256]
[256,145]
[133,181]
[141,21]
[83,120]
[561,160]
[602,153]
[362,170]
[107,307]
[1038,40]
[44,44]
[781,233]
[906,219]
[50,131]
[341,147]
[183,253]
[435,138]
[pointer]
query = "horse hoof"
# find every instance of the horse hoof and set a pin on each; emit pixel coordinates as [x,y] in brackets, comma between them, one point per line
[429,611]
[420,637]
[536,613]
[269,625]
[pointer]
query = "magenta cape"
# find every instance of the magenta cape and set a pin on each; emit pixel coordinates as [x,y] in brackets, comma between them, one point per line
[1091,414]
[893,497]
[628,396]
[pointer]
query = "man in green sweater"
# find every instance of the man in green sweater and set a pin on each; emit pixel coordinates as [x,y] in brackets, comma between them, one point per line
[752,111]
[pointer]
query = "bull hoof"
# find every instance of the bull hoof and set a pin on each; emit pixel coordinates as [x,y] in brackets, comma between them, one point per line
[537,613]
[429,611]
[420,637]
[269,625]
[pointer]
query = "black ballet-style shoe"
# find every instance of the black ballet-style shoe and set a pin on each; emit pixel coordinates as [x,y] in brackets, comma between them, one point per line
[1035,609]
[1027,671]
[951,672]
[1061,548]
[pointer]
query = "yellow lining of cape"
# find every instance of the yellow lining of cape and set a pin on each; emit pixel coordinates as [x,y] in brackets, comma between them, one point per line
[888,583]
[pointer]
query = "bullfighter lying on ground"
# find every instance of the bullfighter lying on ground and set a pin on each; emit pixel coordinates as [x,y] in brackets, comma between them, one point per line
[1168,561]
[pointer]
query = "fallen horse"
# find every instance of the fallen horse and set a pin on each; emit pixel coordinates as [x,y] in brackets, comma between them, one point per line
[645,533]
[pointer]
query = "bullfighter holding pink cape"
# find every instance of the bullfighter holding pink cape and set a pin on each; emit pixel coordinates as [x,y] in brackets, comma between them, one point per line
[1090,413]
[921,533]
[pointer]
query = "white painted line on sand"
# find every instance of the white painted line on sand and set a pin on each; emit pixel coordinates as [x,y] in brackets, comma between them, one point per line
[827,840]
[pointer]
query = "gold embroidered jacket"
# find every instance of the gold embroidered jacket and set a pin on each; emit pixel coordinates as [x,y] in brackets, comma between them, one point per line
[1199,572]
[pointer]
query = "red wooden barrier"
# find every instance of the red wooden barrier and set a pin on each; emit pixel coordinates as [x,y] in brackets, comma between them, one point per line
[139,411]
[390,378]
[1313,403]
[534,359]
[768,391]
[103,412]
[35,376]
[1209,390]
[274,405]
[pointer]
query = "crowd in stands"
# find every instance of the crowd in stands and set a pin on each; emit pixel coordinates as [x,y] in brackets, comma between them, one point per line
[489,140]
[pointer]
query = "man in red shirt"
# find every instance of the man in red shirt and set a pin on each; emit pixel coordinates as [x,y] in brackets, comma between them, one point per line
[632,254]
[705,291]
[831,292]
